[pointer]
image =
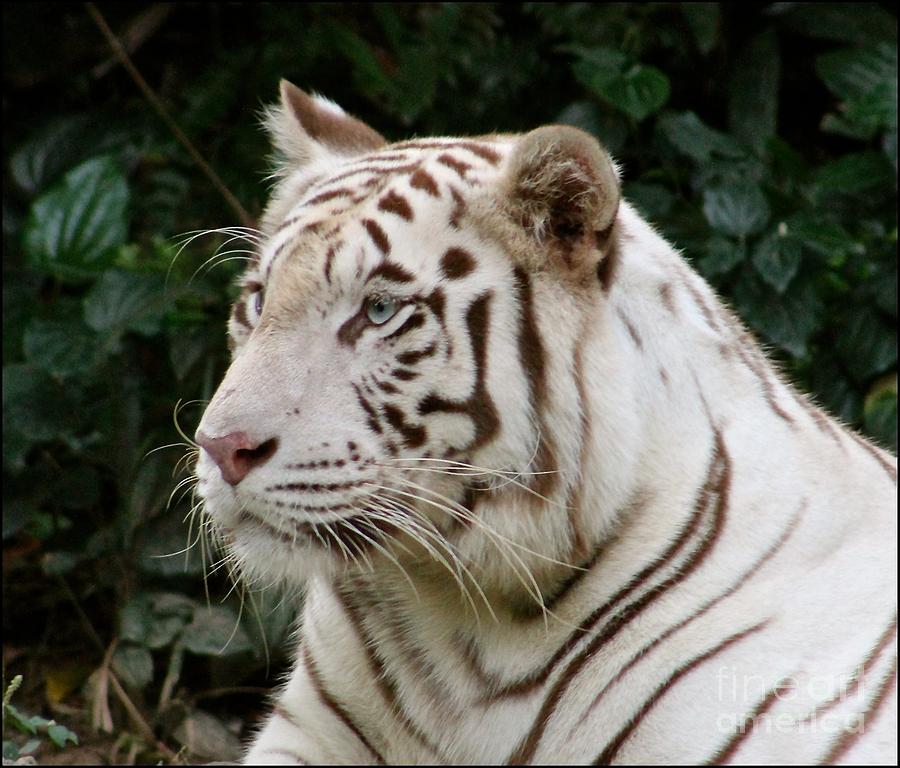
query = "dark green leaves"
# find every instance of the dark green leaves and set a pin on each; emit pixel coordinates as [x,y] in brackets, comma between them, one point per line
[73,230]
[853,174]
[636,89]
[737,209]
[694,139]
[865,81]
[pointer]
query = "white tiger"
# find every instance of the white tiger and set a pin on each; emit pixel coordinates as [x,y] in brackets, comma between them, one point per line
[549,500]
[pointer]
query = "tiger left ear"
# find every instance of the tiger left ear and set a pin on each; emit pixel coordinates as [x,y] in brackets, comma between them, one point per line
[306,128]
[564,191]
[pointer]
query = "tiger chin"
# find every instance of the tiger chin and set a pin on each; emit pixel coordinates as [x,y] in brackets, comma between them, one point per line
[547,498]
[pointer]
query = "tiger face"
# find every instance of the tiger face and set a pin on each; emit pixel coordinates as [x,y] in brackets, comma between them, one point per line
[389,389]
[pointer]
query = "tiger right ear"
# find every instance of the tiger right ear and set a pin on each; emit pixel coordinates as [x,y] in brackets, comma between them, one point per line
[307,128]
[564,191]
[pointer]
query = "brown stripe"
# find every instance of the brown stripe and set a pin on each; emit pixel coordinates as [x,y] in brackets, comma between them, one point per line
[747,353]
[532,360]
[459,208]
[413,435]
[390,271]
[640,655]
[456,263]
[379,673]
[745,729]
[423,180]
[859,673]
[532,681]
[413,357]
[372,416]
[397,204]
[375,170]
[632,331]
[313,487]
[714,491]
[457,165]
[665,295]
[609,753]
[331,703]
[329,259]
[608,268]
[847,739]
[240,312]
[324,197]
[352,328]
[479,406]
[378,236]
[876,454]
[415,320]
[480,150]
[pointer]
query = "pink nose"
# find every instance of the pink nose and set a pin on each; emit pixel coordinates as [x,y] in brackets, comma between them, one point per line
[236,454]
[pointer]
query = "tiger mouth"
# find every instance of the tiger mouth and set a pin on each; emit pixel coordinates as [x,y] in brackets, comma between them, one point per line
[354,533]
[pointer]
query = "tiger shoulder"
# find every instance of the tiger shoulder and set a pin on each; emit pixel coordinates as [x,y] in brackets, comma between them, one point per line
[548,499]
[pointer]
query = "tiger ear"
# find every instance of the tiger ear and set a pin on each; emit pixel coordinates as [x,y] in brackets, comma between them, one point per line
[307,128]
[564,191]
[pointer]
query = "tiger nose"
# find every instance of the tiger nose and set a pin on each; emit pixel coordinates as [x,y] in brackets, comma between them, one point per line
[236,454]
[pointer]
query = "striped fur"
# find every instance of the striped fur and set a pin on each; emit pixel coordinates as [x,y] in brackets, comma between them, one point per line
[558,507]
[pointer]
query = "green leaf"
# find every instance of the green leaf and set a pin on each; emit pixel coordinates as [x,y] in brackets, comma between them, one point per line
[777,258]
[737,209]
[216,631]
[73,229]
[853,173]
[134,665]
[787,320]
[722,255]
[653,200]
[693,138]
[29,746]
[822,236]
[639,92]
[61,348]
[47,153]
[20,721]
[126,301]
[753,101]
[867,345]
[865,79]
[596,67]
[854,72]
[636,89]
[60,735]
[880,414]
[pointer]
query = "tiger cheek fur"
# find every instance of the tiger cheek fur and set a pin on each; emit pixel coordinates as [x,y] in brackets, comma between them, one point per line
[539,484]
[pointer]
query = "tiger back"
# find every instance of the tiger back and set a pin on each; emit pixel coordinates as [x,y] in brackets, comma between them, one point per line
[546,497]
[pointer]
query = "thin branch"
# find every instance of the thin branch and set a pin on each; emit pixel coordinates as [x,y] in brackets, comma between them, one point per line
[245,218]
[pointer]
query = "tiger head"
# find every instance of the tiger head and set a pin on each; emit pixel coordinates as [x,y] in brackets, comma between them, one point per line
[403,387]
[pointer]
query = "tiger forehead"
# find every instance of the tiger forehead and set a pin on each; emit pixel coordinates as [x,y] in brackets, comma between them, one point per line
[429,167]
[391,184]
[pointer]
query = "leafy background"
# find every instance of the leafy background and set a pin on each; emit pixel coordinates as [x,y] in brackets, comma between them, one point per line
[760,139]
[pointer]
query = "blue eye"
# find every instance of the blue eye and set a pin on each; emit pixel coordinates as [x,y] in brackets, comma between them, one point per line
[380,309]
